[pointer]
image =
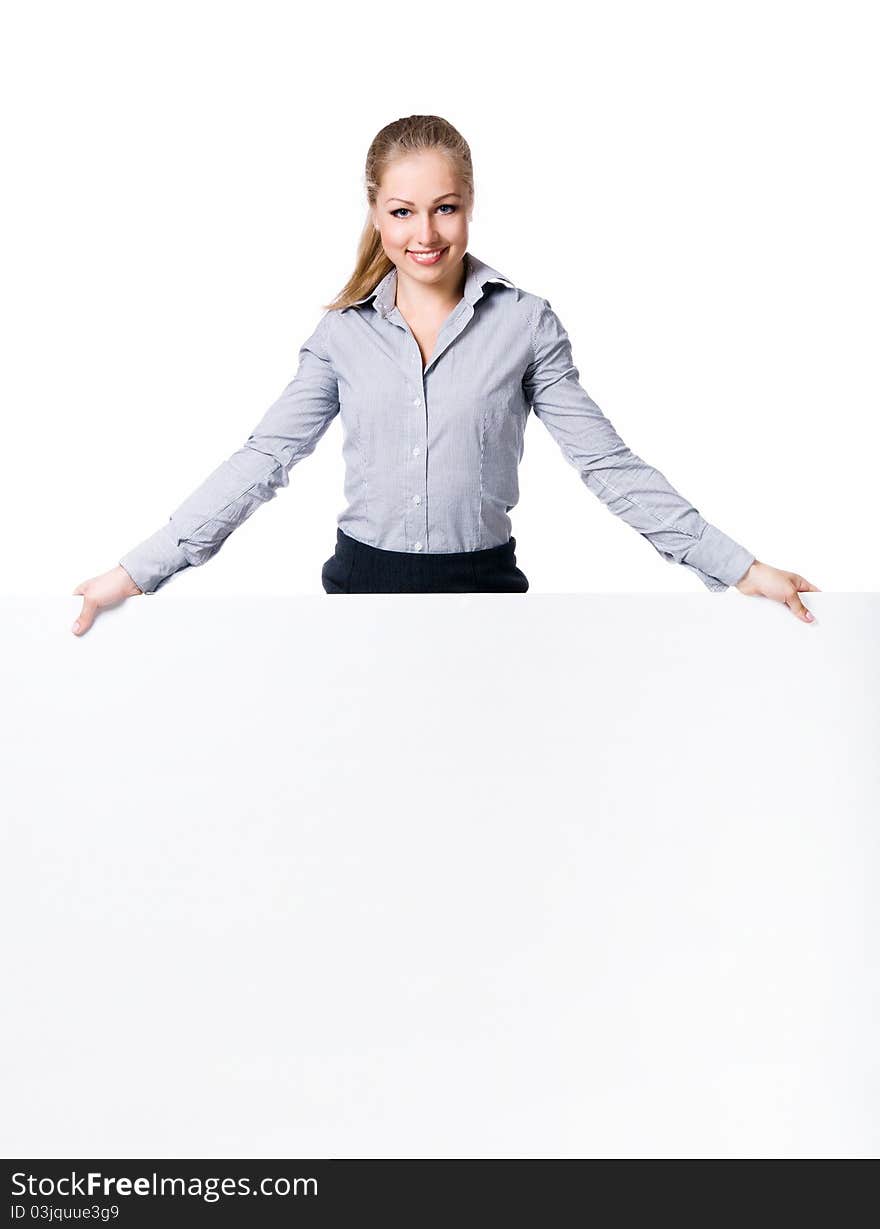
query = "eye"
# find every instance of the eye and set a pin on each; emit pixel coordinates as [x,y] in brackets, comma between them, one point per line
[403,209]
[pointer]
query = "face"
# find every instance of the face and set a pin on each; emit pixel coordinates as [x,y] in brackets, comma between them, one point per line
[422,205]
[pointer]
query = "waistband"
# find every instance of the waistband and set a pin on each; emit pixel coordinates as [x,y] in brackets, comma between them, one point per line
[486,554]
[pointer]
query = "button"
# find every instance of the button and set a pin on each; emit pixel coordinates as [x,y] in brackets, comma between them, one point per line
[416,401]
[416,451]
[417,499]
[417,546]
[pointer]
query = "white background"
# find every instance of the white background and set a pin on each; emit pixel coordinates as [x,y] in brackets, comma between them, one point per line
[691,185]
[643,920]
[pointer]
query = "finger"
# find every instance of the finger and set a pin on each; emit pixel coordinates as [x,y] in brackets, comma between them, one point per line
[86,616]
[804,586]
[797,608]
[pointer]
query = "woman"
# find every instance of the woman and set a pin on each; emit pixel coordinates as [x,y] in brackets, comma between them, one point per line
[433,359]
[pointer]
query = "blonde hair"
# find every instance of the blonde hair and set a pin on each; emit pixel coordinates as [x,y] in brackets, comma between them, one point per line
[403,137]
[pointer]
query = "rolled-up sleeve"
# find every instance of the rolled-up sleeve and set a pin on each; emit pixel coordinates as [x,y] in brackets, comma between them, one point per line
[627,485]
[288,431]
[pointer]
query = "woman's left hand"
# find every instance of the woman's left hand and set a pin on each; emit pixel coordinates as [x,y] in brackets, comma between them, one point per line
[781,586]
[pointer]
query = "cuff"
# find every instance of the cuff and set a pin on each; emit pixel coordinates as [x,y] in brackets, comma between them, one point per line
[155,560]
[718,560]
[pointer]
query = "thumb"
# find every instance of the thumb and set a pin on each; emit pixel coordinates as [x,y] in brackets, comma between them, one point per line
[798,608]
[86,616]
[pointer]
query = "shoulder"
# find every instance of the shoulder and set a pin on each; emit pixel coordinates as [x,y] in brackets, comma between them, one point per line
[319,341]
[541,321]
[512,305]
[533,307]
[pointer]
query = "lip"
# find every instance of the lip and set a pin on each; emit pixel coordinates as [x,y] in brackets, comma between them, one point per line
[440,253]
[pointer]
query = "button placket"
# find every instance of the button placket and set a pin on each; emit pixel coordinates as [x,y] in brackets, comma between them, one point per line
[418,490]
[418,499]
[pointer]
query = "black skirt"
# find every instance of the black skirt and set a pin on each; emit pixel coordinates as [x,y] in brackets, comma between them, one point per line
[355,567]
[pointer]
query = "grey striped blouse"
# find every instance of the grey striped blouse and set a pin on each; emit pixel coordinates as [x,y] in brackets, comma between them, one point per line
[432,451]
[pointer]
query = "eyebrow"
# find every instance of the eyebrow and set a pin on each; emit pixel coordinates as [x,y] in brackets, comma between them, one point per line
[434,202]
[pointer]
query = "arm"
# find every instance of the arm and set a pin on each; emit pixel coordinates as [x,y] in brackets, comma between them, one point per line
[627,485]
[287,432]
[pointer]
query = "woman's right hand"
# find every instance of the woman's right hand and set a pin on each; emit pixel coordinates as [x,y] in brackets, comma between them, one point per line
[100,592]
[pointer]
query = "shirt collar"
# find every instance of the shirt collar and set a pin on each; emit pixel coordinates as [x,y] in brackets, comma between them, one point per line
[478,274]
